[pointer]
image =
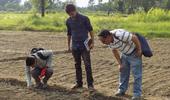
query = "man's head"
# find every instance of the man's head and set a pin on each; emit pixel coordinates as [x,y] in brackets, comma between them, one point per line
[105,37]
[30,61]
[71,10]
[34,50]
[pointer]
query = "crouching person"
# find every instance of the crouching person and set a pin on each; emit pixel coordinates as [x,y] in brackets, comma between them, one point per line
[38,65]
[131,58]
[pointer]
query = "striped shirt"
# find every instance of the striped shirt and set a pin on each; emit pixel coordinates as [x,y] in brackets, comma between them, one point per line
[122,41]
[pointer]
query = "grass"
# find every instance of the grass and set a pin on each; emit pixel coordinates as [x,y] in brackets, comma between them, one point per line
[155,23]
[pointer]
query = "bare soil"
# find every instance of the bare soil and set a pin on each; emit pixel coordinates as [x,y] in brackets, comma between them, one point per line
[15,46]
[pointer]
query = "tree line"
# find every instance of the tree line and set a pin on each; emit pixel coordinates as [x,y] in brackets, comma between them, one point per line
[121,6]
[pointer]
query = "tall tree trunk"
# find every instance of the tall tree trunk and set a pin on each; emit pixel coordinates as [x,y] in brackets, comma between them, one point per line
[42,8]
[168,5]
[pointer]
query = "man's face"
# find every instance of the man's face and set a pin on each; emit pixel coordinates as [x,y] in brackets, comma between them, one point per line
[33,65]
[106,40]
[72,14]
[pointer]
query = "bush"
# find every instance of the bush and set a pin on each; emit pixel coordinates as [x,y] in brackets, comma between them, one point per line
[154,23]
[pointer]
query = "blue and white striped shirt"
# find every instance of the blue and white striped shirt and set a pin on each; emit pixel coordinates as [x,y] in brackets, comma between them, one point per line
[123,42]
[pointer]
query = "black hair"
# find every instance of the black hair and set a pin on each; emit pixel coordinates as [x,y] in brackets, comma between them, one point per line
[30,60]
[70,7]
[104,33]
[41,49]
[34,50]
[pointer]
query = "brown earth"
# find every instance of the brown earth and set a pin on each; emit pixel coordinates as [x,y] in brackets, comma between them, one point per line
[14,46]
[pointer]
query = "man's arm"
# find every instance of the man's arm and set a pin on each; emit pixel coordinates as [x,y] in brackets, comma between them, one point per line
[69,42]
[90,29]
[28,76]
[117,56]
[92,37]
[138,45]
[68,36]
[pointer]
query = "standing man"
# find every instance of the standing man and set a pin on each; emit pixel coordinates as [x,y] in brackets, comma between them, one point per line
[40,62]
[78,27]
[131,58]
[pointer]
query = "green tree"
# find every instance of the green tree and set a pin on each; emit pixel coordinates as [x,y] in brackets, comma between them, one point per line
[121,6]
[27,6]
[168,5]
[10,5]
[39,6]
[91,3]
[42,3]
[35,5]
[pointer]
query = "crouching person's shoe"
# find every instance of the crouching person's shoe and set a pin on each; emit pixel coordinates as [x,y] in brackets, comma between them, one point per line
[136,98]
[118,93]
[77,86]
[45,86]
[38,85]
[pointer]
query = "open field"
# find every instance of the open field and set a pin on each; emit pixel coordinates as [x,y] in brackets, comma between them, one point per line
[154,23]
[16,45]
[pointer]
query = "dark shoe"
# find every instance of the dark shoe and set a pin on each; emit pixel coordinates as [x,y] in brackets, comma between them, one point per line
[119,93]
[136,98]
[91,89]
[45,86]
[38,86]
[77,86]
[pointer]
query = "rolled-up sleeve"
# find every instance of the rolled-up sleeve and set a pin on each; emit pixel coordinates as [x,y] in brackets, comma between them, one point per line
[68,28]
[28,76]
[123,35]
[88,24]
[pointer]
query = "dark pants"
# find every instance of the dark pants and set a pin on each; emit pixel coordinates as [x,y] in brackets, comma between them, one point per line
[77,54]
[36,73]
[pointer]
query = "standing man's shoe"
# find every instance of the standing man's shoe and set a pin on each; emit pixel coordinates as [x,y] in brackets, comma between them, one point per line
[119,93]
[91,89]
[77,86]
[136,98]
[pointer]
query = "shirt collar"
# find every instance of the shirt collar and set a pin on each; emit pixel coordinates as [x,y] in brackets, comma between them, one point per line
[76,17]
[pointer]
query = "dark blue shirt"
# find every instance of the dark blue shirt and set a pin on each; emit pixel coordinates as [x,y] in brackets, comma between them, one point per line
[78,29]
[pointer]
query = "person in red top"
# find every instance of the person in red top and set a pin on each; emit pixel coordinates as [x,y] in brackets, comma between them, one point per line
[40,62]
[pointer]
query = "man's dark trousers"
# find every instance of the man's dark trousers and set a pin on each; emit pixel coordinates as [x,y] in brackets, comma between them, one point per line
[77,54]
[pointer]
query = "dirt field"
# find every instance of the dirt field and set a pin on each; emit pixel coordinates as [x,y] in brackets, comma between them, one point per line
[14,46]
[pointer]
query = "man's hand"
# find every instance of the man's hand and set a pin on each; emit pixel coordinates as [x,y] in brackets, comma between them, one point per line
[69,40]
[120,68]
[92,40]
[92,45]
[139,53]
[117,56]
[69,49]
